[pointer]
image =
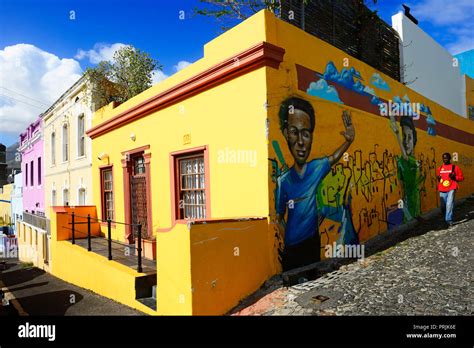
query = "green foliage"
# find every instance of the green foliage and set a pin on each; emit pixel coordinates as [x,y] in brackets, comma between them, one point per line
[227,11]
[128,74]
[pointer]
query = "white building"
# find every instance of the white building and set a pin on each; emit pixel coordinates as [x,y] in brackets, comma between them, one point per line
[428,68]
[68,175]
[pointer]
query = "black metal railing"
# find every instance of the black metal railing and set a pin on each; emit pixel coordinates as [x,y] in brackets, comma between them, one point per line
[109,222]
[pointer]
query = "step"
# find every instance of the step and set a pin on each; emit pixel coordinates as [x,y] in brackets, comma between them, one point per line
[150,302]
[144,286]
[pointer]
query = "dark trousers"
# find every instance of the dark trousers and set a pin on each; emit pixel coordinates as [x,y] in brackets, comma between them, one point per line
[302,254]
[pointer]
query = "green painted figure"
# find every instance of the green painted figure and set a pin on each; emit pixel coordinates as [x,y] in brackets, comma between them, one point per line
[408,168]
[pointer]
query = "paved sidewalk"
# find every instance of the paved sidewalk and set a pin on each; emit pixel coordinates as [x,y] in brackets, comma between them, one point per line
[39,293]
[430,274]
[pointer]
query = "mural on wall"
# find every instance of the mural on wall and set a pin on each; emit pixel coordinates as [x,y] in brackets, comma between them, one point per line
[314,198]
[348,87]
[297,211]
[371,179]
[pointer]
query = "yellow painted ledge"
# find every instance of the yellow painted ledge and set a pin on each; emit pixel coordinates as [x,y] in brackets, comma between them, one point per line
[94,272]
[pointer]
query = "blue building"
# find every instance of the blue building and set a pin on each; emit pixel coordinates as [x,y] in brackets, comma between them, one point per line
[17,201]
[466,62]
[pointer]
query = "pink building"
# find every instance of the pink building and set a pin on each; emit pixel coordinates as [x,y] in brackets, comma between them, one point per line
[32,166]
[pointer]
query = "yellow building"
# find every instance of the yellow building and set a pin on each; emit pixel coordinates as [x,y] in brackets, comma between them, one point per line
[230,163]
[469,97]
[5,204]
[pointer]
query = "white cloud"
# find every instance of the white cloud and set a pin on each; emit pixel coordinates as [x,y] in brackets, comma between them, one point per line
[181,65]
[442,12]
[30,81]
[158,76]
[100,52]
[452,17]
[462,44]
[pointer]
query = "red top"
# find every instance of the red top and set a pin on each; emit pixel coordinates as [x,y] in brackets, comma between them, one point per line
[446,183]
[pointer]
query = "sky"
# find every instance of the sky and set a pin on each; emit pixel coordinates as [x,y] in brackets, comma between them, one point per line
[44,47]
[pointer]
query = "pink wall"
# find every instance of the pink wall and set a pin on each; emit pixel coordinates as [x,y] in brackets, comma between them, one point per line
[31,146]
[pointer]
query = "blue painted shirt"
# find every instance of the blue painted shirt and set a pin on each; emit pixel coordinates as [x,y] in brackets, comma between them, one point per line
[297,194]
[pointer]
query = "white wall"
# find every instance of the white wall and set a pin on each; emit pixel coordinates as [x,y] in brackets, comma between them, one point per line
[429,66]
[76,173]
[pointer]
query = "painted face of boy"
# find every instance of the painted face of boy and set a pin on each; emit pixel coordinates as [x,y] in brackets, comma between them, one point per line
[446,159]
[299,136]
[408,141]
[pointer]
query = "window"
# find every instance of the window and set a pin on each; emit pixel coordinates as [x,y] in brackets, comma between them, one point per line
[32,173]
[82,196]
[53,198]
[39,170]
[26,174]
[65,197]
[53,148]
[107,193]
[191,187]
[65,143]
[139,165]
[81,151]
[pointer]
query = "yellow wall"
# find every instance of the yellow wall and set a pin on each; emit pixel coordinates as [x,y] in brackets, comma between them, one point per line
[5,208]
[469,93]
[174,289]
[89,270]
[229,261]
[216,118]
[33,245]
[372,156]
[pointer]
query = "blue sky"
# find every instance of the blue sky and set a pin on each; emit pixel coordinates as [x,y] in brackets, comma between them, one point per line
[58,49]
[153,26]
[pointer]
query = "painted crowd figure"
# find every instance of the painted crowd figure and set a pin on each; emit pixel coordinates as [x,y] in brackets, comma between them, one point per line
[408,168]
[448,177]
[297,187]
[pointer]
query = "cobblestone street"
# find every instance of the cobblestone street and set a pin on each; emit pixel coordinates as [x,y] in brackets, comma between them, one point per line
[430,274]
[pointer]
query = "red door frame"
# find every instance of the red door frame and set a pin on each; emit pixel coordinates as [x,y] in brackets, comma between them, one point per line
[127,172]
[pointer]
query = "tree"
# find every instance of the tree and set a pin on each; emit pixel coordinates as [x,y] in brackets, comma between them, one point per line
[229,11]
[129,73]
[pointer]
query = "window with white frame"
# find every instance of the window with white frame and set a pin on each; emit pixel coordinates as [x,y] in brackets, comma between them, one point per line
[81,136]
[65,143]
[53,148]
[82,196]
[53,198]
[65,197]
